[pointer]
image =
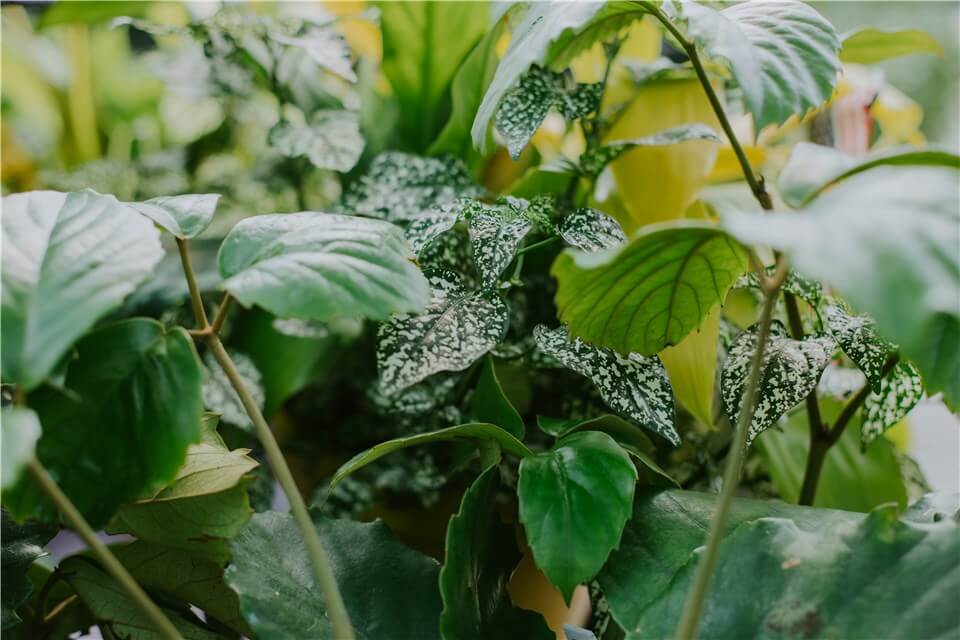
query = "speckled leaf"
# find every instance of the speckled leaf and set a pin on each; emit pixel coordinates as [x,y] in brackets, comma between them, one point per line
[219,395]
[592,162]
[574,502]
[457,328]
[319,266]
[634,386]
[526,105]
[790,372]
[899,392]
[184,216]
[21,430]
[591,230]
[430,225]
[784,55]
[331,140]
[324,46]
[400,186]
[858,338]
[496,232]
[809,290]
[21,545]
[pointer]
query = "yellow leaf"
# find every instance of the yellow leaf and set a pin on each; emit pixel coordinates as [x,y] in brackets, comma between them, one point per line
[692,366]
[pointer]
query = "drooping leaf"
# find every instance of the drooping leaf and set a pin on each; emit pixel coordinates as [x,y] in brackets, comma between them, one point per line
[635,386]
[591,230]
[650,293]
[320,266]
[496,232]
[388,589]
[331,140]
[473,431]
[184,216]
[219,395]
[68,259]
[457,328]
[905,271]
[783,55]
[869,46]
[399,186]
[814,572]
[574,502]
[790,371]
[481,555]
[526,105]
[21,430]
[593,161]
[858,338]
[22,544]
[490,404]
[120,424]
[899,392]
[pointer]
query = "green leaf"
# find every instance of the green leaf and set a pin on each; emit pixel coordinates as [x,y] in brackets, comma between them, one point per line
[89,12]
[574,501]
[430,225]
[21,545]
[324,46]
[490,404]
[524,106]
[68,259]
[812,168]
[593,161]
[869,46]
[480,556]
[400,187]
[789,373]
[813,572]
[650,293]
[591,230]
[496,232]
[320,266]
[783,55]
[457,328]
[852,478]
[634,386]
[804,288]
[899,392]
[858,338]
[202,507]
[904,271]
[473,431]
[331,140]
[389,590]
[424,45]
[184,216]
[120,424]
[21,430]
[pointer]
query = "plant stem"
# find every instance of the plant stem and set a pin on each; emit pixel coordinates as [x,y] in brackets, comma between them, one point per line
[109,561]
[221,314]
[339,619]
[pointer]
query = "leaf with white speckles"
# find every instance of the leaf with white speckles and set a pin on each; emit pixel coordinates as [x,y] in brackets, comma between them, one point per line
[634,386]
[592,162]
[457,328]
[331,140]
[800,286]
[430,225]
[790,372]
[219,396]
[526,105]
[899,392]
[858,338]
[591,230]
[496,232]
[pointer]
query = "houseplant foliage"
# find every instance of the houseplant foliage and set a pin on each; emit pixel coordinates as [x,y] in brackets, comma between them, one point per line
[399,277]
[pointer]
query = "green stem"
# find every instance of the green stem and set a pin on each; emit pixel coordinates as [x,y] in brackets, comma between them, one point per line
[109,561]
[195,298]
[537,245]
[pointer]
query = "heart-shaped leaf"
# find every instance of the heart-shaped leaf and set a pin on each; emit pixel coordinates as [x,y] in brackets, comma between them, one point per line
[496,232]
[331,140]
[858,338]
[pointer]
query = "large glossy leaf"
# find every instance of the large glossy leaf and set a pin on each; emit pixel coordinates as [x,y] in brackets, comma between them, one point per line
[476,431]
[790,371]
[21,545]
[21,430]
[331,140]
[812,572]
[121,423]
[389,590]
[68,259]
[424,44]
[635,386]
[184,216]
[574,502]
[858,338]
[320,266]
[869,46]
[480,556]
[457,329]
[490,404]
[650,293]
[782,54]
[905,270]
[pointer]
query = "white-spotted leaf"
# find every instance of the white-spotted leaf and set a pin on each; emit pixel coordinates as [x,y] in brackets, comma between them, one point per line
[331,140]
[858,338]
[591,230]
[899,392]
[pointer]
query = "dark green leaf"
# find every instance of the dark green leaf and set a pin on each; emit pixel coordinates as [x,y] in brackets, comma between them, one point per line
[591,230]
[68,259]
[574,502]
[481,555]
[490,404]
[869,46]
[496,232]
[389,590]
[120,425]
[21,430]
[858,338]
[899,392]
[321,266]
[331,140]
[21,545]
[593,161]
[184,216]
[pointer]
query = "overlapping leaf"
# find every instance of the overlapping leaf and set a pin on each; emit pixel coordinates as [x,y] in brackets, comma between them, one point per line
[898,393]
[496,232]
[593,161]
[184,216]
[591,230]
[22,544]
[858,338]
[331,140]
